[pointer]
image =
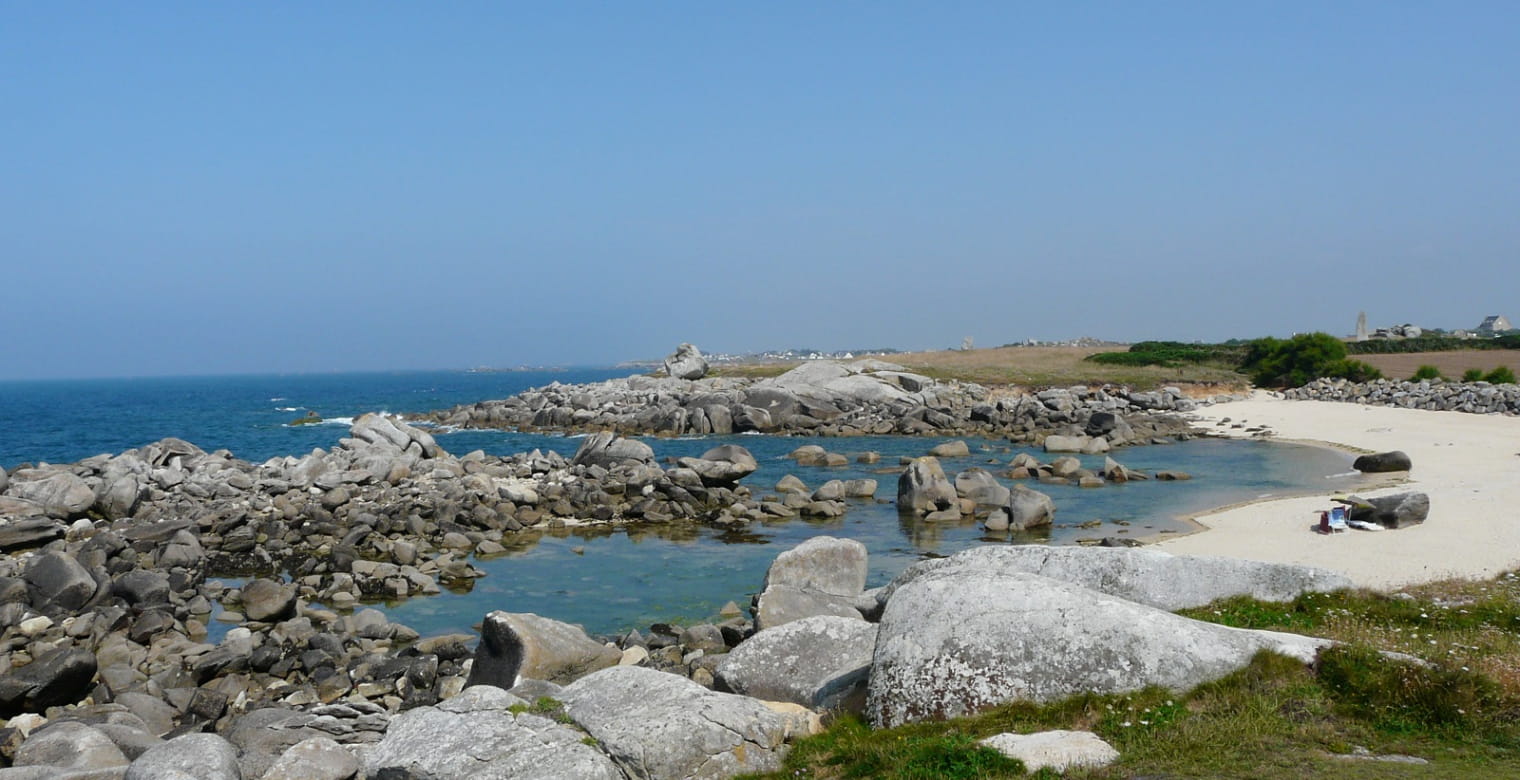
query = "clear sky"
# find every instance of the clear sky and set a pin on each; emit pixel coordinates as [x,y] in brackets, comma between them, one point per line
[219,187]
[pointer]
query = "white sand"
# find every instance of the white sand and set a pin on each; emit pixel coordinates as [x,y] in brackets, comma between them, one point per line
[1466,463]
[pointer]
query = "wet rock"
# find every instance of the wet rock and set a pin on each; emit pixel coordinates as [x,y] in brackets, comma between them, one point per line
[923,487]
[1029,508]
[268,601]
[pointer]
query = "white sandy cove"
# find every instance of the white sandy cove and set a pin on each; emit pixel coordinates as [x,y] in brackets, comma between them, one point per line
[1466,463]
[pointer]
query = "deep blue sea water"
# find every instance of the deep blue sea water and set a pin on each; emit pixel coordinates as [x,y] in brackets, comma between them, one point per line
[613,581]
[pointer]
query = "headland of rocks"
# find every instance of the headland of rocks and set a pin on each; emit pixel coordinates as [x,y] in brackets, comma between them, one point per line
[111,578]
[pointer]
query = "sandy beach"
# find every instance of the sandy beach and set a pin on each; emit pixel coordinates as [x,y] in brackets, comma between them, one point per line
[1466,463]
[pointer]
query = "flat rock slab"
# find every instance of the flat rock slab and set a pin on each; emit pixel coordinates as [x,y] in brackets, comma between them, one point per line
[1150,577]
[658,726]
[1058,750]
[476,734]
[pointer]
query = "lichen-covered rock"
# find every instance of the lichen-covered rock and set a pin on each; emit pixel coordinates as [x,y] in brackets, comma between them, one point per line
[476,734]
[821,576]
[1150,577]
[659,726]
[955,641]
[819,662]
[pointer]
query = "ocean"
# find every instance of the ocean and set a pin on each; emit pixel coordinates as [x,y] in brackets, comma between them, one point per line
[613,581]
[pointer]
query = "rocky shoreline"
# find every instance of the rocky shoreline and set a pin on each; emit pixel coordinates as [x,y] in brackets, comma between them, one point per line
[825,398]
[113,564]
[1432,395]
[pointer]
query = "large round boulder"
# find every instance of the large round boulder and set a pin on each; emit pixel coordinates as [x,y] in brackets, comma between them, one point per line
[521,644]
[686,363]
[955,642]
[1382,462]
[1029,508]
[819,662]
[607,449]
[59,493]
[923,487]
[822,576]
[659,725]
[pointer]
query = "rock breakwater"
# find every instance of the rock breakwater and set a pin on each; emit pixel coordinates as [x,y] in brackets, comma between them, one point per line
[1431,395]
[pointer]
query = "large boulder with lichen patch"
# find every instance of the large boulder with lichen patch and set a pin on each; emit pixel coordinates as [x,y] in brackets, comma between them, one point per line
[953,642]
[656,725]
[822,576]
[819,662]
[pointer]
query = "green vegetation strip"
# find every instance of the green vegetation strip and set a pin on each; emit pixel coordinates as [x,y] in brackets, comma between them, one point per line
[1451,696]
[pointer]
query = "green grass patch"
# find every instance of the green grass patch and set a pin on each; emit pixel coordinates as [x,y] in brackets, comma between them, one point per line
[1455,701]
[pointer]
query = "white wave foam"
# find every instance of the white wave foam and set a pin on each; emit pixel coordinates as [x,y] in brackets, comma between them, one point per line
[278,399]
[289,408]
[1342,475]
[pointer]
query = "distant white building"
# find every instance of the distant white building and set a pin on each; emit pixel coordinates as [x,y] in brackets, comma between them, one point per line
[1494,323]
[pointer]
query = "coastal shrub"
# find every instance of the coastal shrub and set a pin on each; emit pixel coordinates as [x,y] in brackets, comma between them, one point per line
[1472,375]
[1401,696]
[1426,372]
[1299,360]
[1172,354]
[1429,344]
[1500,376]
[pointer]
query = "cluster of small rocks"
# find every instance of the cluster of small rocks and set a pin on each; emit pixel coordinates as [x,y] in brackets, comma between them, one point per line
[926,490]
[826,398]
[1430,394]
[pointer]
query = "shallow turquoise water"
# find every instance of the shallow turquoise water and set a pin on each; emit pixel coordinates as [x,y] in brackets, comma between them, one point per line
[613,581]
[623,579]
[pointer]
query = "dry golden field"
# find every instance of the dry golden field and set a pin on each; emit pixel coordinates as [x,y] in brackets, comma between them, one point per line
[1034,367]
[1451,364]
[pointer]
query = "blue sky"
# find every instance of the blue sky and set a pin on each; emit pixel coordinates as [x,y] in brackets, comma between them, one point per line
[226,188]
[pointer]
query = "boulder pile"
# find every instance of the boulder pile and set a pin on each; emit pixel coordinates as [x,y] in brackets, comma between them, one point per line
[1430,394]
[827,398]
